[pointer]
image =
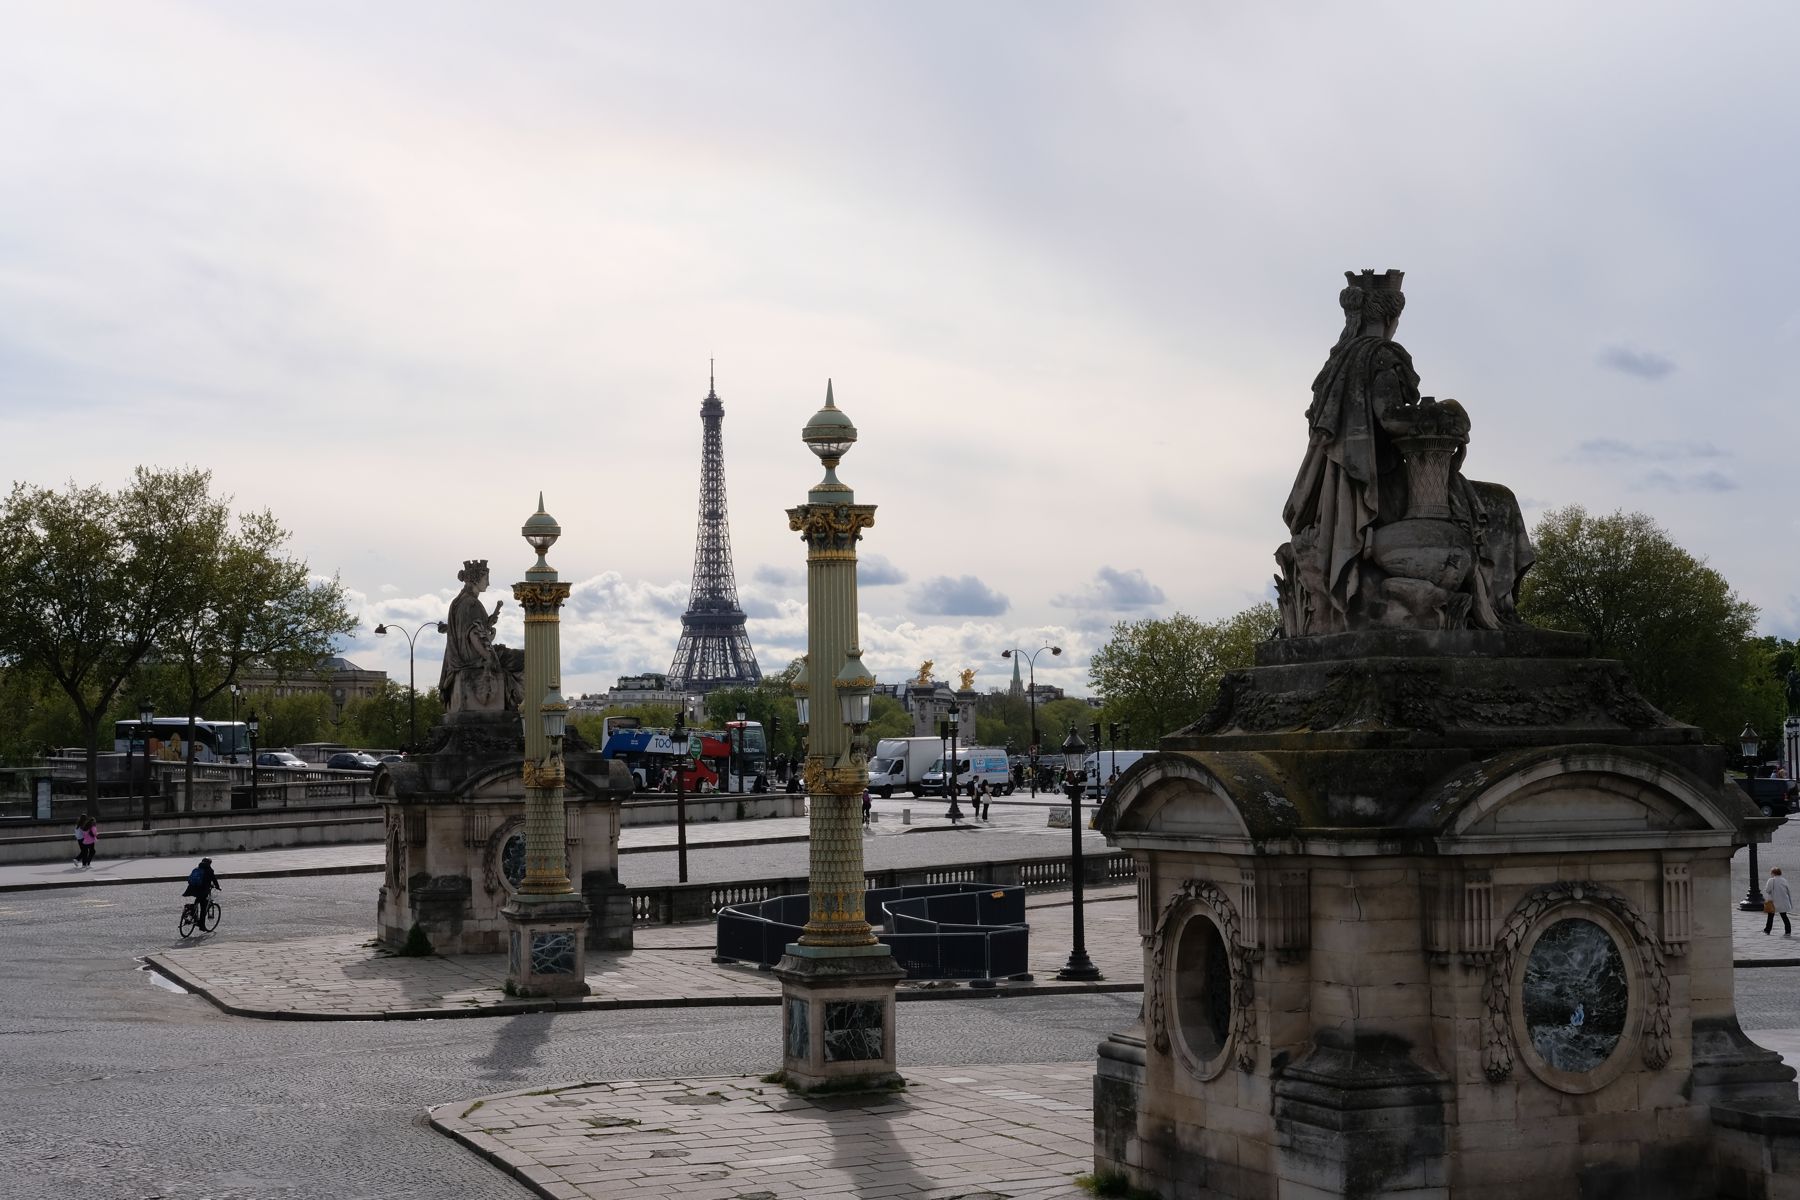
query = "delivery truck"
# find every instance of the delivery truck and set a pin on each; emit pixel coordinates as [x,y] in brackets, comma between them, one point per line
[973,764]
[899,764]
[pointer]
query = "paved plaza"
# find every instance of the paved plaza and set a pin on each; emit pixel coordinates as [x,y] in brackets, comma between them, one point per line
[347,977]
[1009,1131]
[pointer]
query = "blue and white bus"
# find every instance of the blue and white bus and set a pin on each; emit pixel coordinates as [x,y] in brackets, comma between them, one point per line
[218,740]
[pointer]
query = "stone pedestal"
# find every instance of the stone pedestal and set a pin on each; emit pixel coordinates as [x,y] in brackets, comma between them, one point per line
[1432,915]
[456,849]
[837,1007]
[545,953]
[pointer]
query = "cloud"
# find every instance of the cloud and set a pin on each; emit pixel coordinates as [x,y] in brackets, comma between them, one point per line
[1114,589]
[966,596]
[781,577]
[1644,364]
[874,570]
[1615,450]
[1698,481]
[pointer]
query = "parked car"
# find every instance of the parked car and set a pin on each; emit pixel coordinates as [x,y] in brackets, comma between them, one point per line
[279,758]
[392,758]
[351,760]
[1776,797]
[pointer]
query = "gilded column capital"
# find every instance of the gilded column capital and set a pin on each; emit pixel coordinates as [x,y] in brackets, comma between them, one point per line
[825,778]
[545,775]
[541,595]
[831,530]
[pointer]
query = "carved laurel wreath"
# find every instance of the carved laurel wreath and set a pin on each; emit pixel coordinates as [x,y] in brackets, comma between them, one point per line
[1499,1049]
[1195,892]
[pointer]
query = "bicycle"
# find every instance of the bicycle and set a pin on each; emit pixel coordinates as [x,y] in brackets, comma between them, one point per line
[195,917]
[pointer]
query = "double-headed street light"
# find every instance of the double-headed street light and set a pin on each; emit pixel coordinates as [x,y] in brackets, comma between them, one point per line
[1080,967]
[412,690]
[947,730]
[1031,696]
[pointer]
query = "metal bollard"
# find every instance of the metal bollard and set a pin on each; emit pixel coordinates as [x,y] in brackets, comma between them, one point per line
[906,816]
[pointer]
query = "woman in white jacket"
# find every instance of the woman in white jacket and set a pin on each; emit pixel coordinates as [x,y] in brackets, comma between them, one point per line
[1777,899]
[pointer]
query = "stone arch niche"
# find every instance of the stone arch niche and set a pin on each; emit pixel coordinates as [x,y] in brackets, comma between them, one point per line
[1472,894]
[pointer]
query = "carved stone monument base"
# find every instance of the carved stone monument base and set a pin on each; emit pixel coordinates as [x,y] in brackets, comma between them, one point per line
[545,940]
[837,1007]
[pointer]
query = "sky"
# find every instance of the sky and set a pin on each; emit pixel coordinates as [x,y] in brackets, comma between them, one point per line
[390,270]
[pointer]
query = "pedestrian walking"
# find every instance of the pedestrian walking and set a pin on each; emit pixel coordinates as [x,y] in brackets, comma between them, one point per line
[984,798]
[1777,901]
[87,840]
[868,805]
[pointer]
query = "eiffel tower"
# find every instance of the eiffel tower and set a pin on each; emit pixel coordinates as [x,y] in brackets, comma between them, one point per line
[714,651]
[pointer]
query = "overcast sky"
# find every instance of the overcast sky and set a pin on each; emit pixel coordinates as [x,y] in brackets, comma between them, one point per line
[388,270]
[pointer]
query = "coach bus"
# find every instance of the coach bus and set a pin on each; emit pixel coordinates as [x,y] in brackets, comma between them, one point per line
[217,740]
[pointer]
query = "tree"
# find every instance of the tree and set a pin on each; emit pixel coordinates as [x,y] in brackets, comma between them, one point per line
[1161,674]
[97,580]
[245,603]
[295,719]
[384,720]
[888,718]
[1672,620]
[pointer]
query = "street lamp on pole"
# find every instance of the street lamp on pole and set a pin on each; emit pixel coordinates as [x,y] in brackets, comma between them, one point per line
[1031,696]
[1747,745]
[680,738]
[1080,967]
[146,714]
[255,727]
[740,751]
[235,693]
[951,774]
[412,689]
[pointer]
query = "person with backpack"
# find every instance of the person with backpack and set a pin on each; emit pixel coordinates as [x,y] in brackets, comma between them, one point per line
[201,882]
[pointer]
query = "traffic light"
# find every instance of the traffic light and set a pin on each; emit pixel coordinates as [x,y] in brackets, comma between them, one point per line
[1112,733]
[1094,734]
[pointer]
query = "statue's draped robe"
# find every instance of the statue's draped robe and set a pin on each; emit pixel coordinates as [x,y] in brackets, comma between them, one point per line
[473,678]
[1351,480]
[1339,490]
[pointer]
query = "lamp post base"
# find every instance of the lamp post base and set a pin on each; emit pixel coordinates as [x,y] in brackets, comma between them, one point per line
[837,1007]
[545,951]
[1080,969]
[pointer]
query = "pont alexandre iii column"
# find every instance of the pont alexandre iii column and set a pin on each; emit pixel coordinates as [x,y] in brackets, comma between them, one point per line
[547,916]
[837,981]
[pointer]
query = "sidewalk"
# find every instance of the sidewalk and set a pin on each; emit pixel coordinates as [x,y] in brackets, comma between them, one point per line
[1012,1131]
[356,858]
[346,977]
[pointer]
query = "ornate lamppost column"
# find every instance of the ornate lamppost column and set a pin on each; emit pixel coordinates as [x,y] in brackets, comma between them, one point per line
[837,981]
[547,917]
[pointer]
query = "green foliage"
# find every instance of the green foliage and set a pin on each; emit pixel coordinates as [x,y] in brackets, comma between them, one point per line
[384,720]
[1162,674]
[294,719]
[770,701]
[1676,624]
[888,718]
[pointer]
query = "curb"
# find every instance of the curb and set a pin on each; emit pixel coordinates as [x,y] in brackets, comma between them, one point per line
[514,1008]
[1765,962]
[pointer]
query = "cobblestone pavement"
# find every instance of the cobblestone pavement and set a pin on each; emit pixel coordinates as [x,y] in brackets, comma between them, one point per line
[1015,1131]
[116,1089]
[345,976]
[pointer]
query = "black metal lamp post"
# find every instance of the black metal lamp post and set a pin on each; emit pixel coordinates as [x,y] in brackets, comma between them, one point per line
[146,714]
[680,738]
[1031,696]
[1753,898]
[255,727]
[412,690]
[1079,968]
[235,693]
[951,773]
[1112,737]
[774,739]
[740,752]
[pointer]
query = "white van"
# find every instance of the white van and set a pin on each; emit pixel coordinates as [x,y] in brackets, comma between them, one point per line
[972,765]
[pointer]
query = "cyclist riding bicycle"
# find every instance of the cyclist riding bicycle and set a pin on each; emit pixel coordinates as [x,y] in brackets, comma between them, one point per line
[201,883]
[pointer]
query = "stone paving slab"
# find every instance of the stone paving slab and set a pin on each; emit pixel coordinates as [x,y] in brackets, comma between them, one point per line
[349,977]
[994,1131]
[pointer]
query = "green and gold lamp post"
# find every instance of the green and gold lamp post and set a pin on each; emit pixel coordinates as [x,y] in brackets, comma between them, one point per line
[547,917]
[837,981]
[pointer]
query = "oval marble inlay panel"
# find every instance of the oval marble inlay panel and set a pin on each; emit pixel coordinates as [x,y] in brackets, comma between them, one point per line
[1576,995]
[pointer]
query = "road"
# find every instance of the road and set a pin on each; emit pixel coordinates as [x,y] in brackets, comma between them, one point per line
[115,1087]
